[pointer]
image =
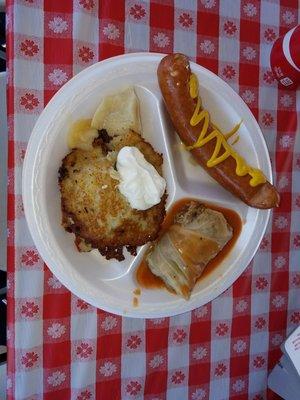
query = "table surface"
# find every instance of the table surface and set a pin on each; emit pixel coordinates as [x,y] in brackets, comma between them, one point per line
[59,346]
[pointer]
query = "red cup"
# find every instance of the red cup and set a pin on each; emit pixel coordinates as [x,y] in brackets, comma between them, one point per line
[285,59]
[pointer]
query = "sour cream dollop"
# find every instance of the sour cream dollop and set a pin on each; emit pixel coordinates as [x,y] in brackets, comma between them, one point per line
[140,183]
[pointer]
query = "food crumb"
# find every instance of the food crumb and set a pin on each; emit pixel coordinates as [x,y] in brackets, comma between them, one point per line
[104,186]
[181,146]
[135,302]
[192,160]
[137,291]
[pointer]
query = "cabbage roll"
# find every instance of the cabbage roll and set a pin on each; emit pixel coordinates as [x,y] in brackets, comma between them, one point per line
[180,256]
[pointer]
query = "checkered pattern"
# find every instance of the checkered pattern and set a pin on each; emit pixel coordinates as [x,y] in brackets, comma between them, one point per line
[62,348]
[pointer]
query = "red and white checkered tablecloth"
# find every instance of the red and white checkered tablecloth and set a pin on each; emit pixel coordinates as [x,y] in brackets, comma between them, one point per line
[62,348]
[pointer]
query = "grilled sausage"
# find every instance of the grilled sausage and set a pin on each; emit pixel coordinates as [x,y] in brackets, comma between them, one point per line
[174,75]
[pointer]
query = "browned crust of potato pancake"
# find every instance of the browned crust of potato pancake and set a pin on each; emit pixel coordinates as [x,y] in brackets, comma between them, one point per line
[94,209]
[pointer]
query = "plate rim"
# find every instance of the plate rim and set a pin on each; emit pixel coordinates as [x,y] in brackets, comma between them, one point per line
[34,142]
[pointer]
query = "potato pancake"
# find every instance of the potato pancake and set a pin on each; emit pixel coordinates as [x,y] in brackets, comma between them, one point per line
[92,206]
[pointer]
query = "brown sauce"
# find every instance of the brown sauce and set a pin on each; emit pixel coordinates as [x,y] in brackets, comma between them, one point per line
[147,279]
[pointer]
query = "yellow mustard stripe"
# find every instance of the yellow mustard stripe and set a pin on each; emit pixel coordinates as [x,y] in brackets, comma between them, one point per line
[242,168]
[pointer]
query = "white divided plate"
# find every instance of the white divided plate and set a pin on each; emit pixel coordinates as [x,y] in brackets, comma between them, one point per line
[109,284]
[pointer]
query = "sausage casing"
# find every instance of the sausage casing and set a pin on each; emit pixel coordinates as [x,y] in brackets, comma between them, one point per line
[174,76]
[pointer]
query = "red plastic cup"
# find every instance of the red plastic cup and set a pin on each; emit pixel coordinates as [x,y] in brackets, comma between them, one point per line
[285,59]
